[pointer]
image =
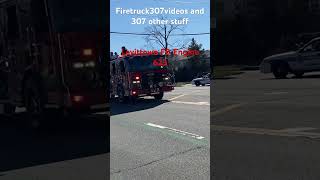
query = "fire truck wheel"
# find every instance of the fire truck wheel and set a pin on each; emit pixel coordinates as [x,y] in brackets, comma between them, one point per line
[32,96]
[121,96]
[158,96]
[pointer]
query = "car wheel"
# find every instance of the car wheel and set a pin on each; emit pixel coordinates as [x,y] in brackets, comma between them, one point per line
[280,70]
[299,74]
[197,83]
[158,96]
[203,84]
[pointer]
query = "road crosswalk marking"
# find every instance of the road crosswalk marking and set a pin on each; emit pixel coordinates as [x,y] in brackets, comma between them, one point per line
[184,133]
[192,103]
[177,97]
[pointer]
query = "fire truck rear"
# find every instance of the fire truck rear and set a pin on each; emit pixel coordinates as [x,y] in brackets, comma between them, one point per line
[139,76]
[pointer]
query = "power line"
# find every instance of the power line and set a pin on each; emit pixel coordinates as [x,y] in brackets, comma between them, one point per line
[141,34]
[148,34]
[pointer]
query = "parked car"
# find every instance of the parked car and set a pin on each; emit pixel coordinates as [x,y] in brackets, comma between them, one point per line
[305,59]
[202,80]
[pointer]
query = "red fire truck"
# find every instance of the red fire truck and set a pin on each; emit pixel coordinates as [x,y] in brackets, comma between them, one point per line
[138,76]
[53,55]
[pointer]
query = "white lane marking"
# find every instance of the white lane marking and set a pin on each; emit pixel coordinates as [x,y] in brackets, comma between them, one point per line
[275,93]
[270,132]
[226,109]
[177,97]
[182,95]
[184,133]
[192,103]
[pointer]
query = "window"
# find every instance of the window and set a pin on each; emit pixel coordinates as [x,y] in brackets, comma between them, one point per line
[13,28]
[314,46]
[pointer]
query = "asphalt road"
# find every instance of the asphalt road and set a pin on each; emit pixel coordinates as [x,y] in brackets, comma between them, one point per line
[63,148]
[264,128]
[166,139]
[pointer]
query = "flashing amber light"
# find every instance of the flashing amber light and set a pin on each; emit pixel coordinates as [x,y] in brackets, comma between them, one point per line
[87,52]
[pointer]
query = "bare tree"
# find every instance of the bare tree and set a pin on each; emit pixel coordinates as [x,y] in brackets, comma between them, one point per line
[163,35]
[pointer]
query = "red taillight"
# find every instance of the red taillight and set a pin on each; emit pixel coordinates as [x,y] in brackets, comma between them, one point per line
[134,92]
[136,76]
[77,98]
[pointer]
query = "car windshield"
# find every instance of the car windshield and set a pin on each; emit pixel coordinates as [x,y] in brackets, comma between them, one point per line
[144,63]
[78,15]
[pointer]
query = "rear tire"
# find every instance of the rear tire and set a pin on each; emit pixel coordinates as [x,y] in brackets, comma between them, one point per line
[123,99]
[121,95]
[197,83]
[280,70]
[158,96]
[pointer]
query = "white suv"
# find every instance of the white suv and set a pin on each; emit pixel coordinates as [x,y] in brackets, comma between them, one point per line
[203,80]
[306,59]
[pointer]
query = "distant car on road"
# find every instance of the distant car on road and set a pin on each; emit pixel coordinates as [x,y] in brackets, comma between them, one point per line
[202,80]
[305,59]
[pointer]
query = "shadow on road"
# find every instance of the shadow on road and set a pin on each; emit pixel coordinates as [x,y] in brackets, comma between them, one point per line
[225,78]
[139,105]
[313,76]
[58,139]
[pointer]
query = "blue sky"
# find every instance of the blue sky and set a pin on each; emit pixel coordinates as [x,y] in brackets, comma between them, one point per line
[122,23]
